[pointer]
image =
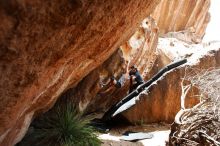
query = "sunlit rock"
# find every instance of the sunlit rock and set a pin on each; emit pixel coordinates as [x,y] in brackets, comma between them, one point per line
[189,16]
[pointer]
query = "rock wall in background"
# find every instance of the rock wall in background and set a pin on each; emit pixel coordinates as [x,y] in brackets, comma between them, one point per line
[163,100]
[189,16]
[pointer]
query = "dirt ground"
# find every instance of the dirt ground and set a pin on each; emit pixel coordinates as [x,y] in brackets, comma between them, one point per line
[120,143]
[118,131]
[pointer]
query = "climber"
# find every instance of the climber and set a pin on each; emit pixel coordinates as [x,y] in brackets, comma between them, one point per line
[121,81]
[114,83]
[135,78]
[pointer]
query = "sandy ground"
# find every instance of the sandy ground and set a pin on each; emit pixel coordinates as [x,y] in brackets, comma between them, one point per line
[160,132]
[120,143]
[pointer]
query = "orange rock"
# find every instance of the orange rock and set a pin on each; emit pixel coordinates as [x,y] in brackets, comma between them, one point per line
[49,46]
[173,16]
[162,101]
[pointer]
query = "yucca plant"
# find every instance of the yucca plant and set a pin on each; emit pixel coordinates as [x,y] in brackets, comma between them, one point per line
[63,127]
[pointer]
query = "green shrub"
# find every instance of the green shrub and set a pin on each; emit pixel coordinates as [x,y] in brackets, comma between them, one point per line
[63,127]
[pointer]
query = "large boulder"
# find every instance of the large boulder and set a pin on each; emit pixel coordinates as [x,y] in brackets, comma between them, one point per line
[162,101]
[49,46]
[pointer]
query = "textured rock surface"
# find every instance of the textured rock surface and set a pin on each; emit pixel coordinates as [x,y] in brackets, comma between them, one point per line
[162,101]
[90,93]
[48,46]
[140,49]
[190,15]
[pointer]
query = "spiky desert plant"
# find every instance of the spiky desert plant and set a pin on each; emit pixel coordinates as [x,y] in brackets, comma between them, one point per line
[63,127]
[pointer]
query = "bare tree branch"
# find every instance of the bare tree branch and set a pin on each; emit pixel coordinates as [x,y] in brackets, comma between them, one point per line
[199,125]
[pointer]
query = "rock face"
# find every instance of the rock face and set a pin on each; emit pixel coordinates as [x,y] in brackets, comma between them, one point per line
[49,46]
[89,93]
[162,101]
[189,16]
[140,49]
